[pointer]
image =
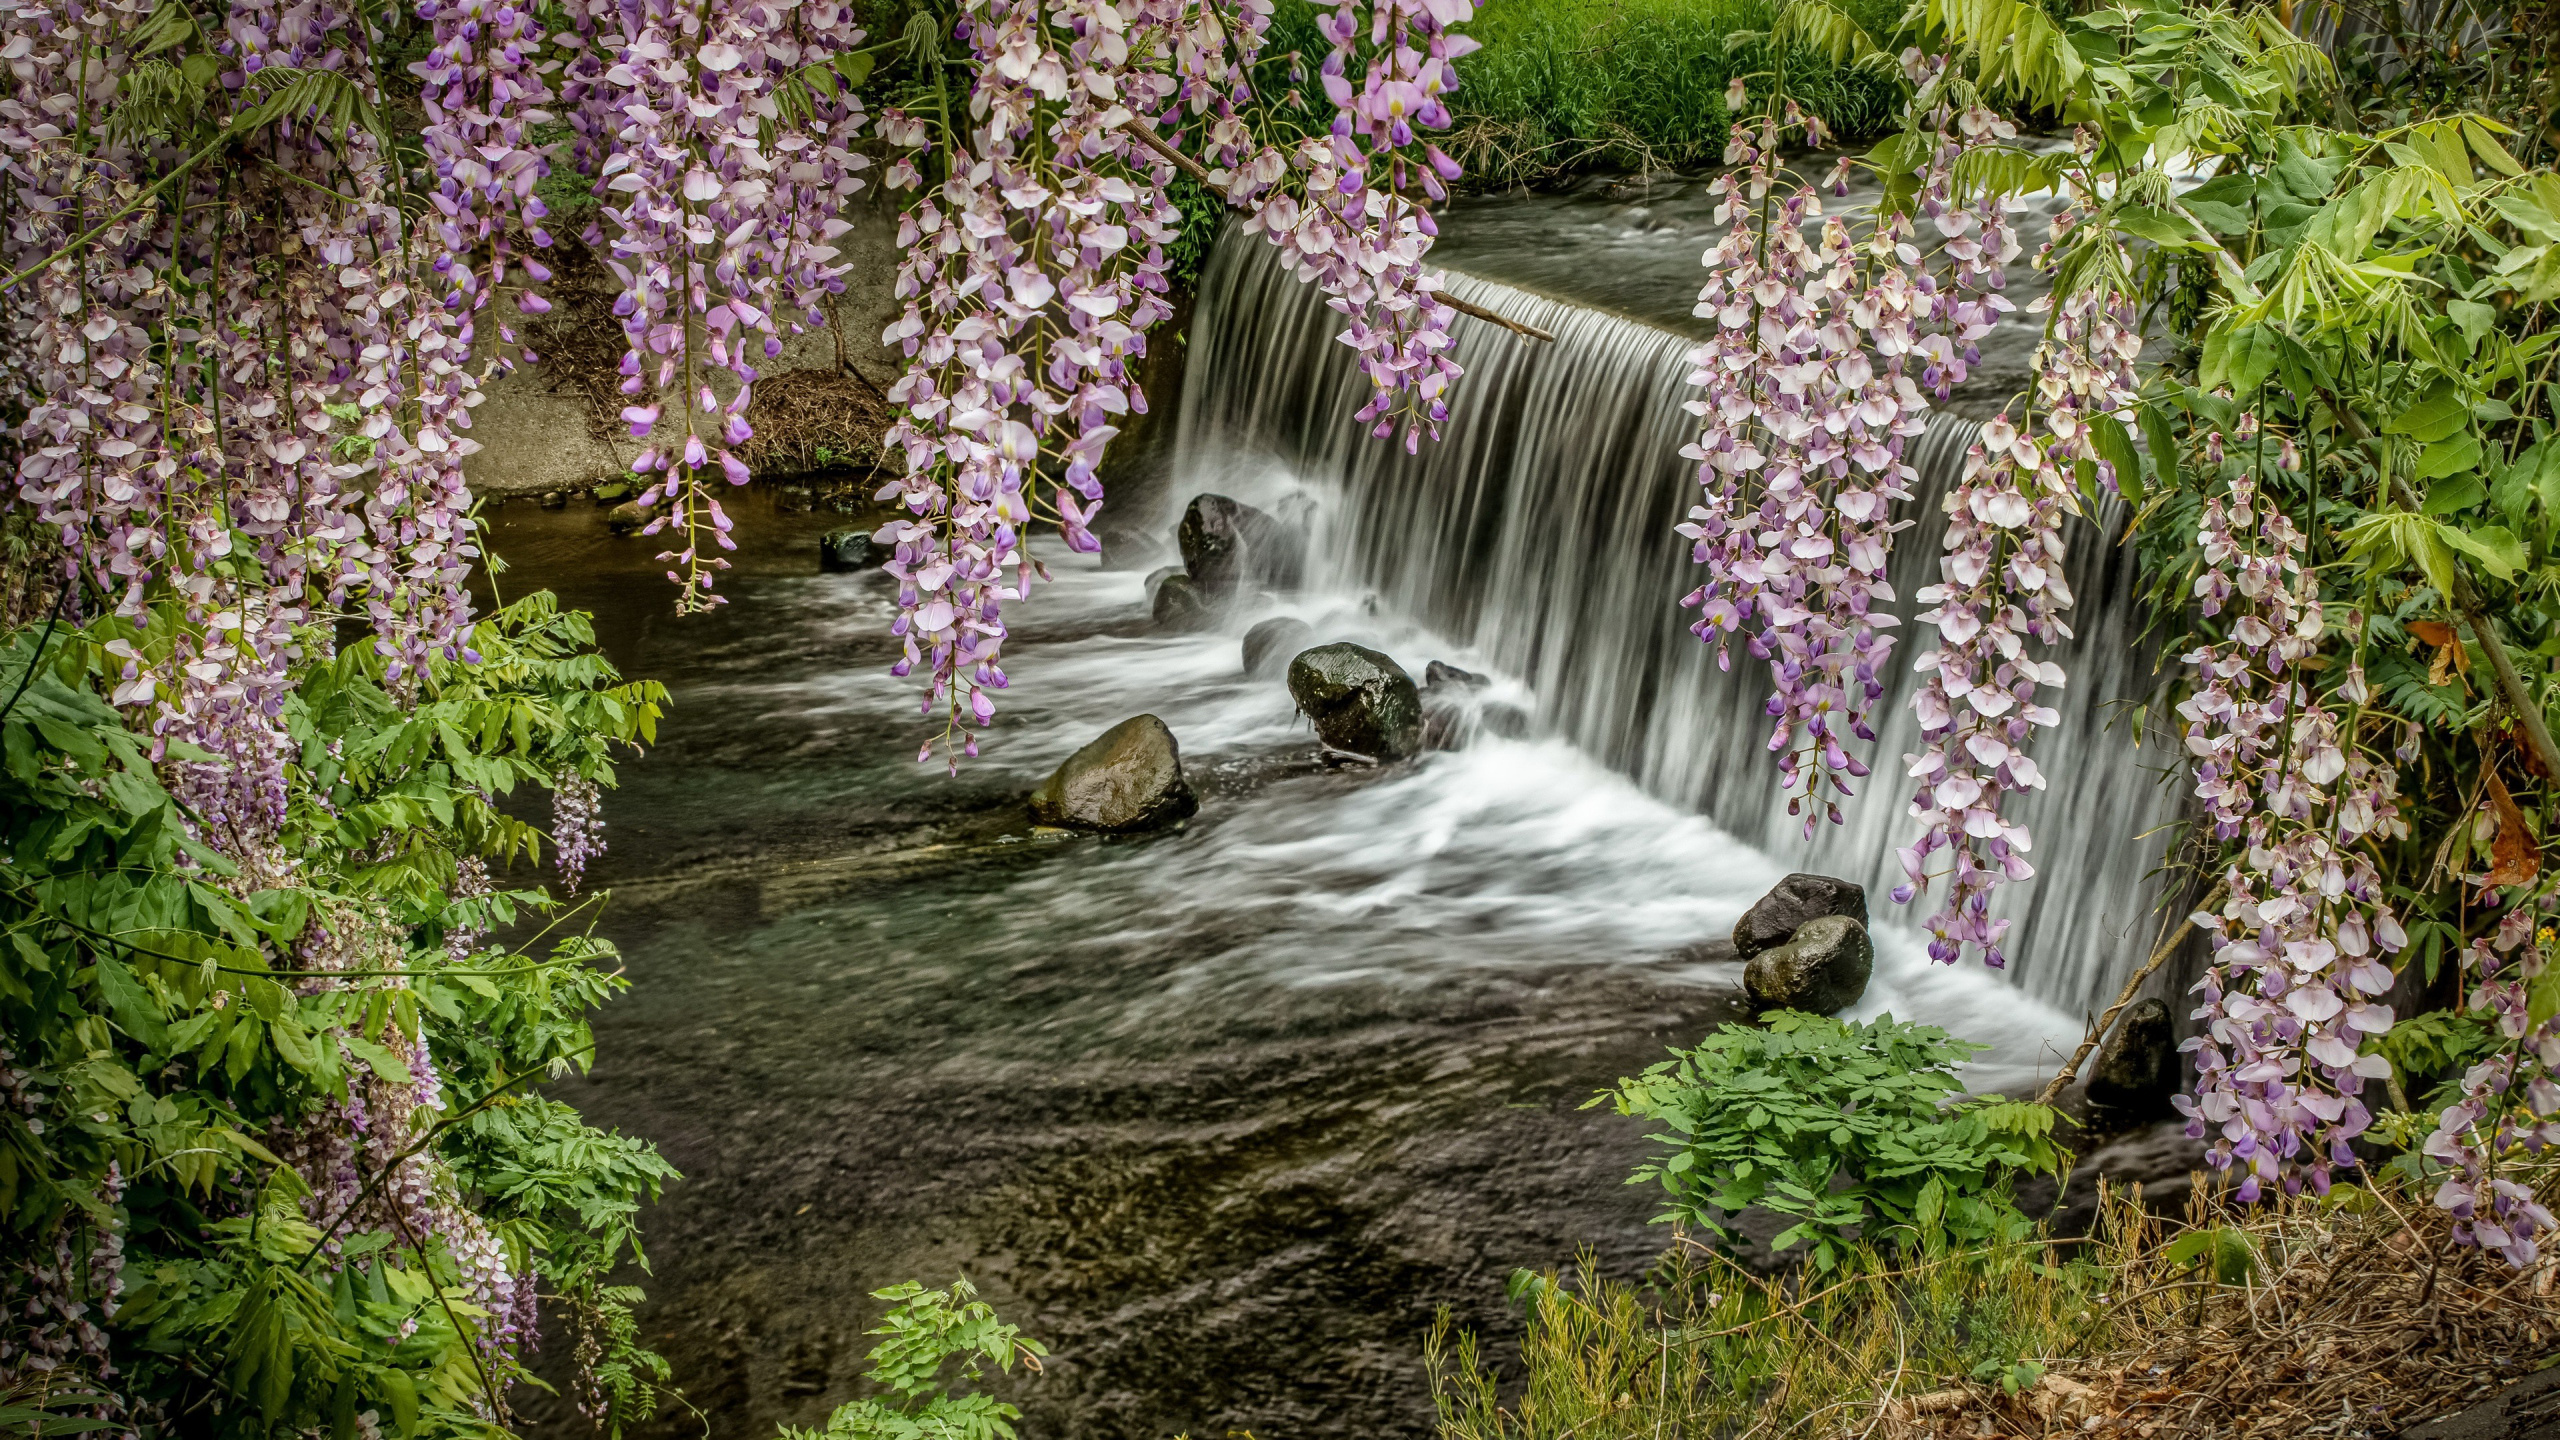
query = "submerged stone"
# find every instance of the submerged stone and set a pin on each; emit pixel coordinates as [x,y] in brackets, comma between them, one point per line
[1823,967]
[1358,700]
[2137,1068]
[1128,778]
[1441,674]
[1268,646]
[840,551]
[1183,605]
[1228,546]
[1774,917]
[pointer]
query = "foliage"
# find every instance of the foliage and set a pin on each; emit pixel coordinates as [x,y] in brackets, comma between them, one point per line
[177,1026]
[1564,86]
[1705,1347]
[1841,1127]
[926,1330]
[2278,1318]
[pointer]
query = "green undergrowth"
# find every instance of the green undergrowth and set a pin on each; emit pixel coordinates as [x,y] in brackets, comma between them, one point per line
[1705,1347]
[1573,85]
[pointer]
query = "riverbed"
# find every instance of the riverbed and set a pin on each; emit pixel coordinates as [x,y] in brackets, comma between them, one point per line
[1222,1115]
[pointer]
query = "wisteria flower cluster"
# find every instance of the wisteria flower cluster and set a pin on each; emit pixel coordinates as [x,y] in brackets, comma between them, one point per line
[2301,939]
[1806,411]
[2001,585]
[2509,1101]
[1031,275]
[177,443]
[360,1155]
[720,238]
[1034,269]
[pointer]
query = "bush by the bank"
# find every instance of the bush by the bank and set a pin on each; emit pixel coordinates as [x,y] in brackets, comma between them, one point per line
[1569,85]
[2351,1311]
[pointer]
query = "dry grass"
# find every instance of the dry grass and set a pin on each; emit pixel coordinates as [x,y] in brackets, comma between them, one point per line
[2353,1316]
[813,420]
[805,420]
[2358,1318]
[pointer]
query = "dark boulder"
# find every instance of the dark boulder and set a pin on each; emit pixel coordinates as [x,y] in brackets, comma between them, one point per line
[1792,902]
[1506,722]
[1822,968]
[1359,700]
[1269,645]
[2137,1068]
[1229,546]
[1440,674]
[841,551]
[1128,778]
[1183,605]
[1157,577]
[628,517]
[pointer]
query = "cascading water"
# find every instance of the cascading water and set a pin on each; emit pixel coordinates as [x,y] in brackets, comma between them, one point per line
[1538,531]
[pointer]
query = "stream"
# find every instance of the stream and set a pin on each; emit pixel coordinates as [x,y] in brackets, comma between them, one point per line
[1222,1115]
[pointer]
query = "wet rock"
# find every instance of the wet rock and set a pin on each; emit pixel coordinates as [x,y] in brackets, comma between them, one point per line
[1158,577]
[1229,546]
[1822,968]
[2137,1068]
[1128,778]
[1269,645]
[1456,722]
[1439,674]
[842,551]
[795,500]
[1182,605]
[1359,700]
[613,492]
[555,499]
[627,517]
[1790,903]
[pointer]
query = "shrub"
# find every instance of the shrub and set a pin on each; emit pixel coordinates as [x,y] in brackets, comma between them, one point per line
[1844,1127]
[926,1330]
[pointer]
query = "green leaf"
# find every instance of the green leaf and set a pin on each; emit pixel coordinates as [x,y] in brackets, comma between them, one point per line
[2161,440]
[2241,357]
[136,1012]
[2158,227]
[2115,446]
[2222,203]
[2458,492]
[2445,457]
[2498,551]
[2472,318]
[2436,415]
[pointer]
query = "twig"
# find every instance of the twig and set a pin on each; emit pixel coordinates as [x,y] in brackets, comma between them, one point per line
[1196,171]
[2071,1068]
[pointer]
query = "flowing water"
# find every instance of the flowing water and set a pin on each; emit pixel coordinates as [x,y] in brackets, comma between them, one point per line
[1538,532]
[1222,1114]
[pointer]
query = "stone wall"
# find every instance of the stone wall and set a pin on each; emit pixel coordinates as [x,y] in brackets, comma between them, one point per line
[546,427]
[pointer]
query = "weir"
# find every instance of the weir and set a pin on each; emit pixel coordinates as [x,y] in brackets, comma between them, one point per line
[1538,531]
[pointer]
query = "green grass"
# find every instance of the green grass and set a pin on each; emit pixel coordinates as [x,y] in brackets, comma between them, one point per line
[1569,85]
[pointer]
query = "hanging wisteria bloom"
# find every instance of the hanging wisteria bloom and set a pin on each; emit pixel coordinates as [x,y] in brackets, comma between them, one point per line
[1806,413]
[2509,1101]
[182,443]
[2001,587]
[721,241]
[358,1155]
[1033,270]
[2301,938]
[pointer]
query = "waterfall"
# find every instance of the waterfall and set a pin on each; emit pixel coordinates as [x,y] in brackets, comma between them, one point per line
[1538,530]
